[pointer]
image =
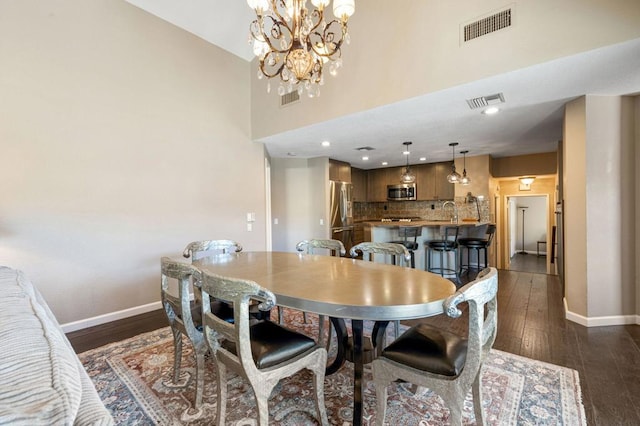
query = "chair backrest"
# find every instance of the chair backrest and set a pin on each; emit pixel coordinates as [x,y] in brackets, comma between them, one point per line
[398,252]
[199,249]
[409,232]
[491,230]
[178,306]
[450,233]
[239,292]
[480,295]
[309,246]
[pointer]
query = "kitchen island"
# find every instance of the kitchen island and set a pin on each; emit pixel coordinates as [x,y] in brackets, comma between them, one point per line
[386,231]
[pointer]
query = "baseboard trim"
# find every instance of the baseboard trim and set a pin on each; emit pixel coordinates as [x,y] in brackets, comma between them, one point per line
[600,321]
[112,316]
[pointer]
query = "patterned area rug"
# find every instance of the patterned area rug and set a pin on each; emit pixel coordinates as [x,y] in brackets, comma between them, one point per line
[134,380]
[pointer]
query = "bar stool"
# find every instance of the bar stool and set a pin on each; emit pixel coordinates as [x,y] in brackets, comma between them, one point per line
[447,244]
[409,235]
[476,244]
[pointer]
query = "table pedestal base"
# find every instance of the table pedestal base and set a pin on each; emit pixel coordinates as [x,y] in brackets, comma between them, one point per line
[359,350]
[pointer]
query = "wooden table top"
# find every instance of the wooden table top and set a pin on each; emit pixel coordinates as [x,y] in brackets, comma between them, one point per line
[337,286]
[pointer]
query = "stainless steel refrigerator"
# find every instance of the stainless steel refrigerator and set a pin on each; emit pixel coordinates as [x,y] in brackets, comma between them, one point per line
[342,212]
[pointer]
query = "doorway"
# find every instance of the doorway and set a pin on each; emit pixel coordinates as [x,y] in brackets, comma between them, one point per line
[528,223]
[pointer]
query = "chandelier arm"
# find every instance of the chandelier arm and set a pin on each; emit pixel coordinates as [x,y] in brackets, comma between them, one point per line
[258,33]
[324,36]
[274,73]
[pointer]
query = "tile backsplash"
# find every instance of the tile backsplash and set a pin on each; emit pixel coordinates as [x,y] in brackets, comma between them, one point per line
[426,210]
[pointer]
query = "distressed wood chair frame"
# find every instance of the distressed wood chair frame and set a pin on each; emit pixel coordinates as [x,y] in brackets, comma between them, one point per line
[241,293]
[480,295]
[398,253]
[336,248]
[180,313]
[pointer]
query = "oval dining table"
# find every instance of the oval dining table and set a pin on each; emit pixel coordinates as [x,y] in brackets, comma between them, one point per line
[341,288]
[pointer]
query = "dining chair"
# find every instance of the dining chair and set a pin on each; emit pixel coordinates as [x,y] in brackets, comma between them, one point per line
[184,318]
[445,362]
[335,248]
[398,254]
[262,352]
[199,249]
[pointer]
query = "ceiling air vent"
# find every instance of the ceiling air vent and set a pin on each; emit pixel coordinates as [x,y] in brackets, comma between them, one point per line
[289,98]
[484,101]
[487,25]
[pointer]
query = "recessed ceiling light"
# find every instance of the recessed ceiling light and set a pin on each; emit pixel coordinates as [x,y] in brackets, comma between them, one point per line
[365,158]
[384,163]
[491,110]
[326,143]
[423,158]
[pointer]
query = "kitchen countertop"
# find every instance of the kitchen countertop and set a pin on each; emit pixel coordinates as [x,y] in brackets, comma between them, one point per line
[423,223]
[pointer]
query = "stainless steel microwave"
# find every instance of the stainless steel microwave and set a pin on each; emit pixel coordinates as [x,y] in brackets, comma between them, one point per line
[401,192]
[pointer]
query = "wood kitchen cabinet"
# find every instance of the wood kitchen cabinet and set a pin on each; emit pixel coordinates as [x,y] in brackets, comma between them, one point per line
[431,182]
[425,182]
[359,180]
[339,170]
[377,180]
[443,189]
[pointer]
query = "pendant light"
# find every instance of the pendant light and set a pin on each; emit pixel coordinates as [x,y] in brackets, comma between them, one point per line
[407,176]
[465,179]
[453,177]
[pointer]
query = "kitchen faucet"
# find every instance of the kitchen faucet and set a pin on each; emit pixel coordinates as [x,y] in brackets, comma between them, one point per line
[454,218]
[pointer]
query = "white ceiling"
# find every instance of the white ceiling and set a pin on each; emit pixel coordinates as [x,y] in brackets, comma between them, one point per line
[530,120]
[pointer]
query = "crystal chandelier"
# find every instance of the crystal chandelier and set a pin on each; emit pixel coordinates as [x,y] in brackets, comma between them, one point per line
[293,42]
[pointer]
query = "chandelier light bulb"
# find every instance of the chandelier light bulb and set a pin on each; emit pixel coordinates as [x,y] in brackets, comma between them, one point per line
[343,9]
[320,3]
[258,4]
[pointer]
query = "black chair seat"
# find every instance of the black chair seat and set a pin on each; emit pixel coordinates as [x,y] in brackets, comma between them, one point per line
[442,245]
[272,344]
[410,245]
[473,242]
[429,349]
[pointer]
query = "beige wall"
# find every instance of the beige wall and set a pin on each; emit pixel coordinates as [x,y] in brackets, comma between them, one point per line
[575,206]
[525,165]
[299,200]
[378,70]
[478,171]
[123,138]
[637,203]
[599,210]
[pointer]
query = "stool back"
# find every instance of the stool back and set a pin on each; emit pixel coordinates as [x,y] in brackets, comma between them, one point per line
[409,232]
[450,234]
[491,230]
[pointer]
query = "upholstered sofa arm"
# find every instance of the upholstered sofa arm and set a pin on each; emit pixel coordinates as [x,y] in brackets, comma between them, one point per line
[42,382]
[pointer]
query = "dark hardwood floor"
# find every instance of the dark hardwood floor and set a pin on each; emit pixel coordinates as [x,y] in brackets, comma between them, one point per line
[531,324]
[528,263]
